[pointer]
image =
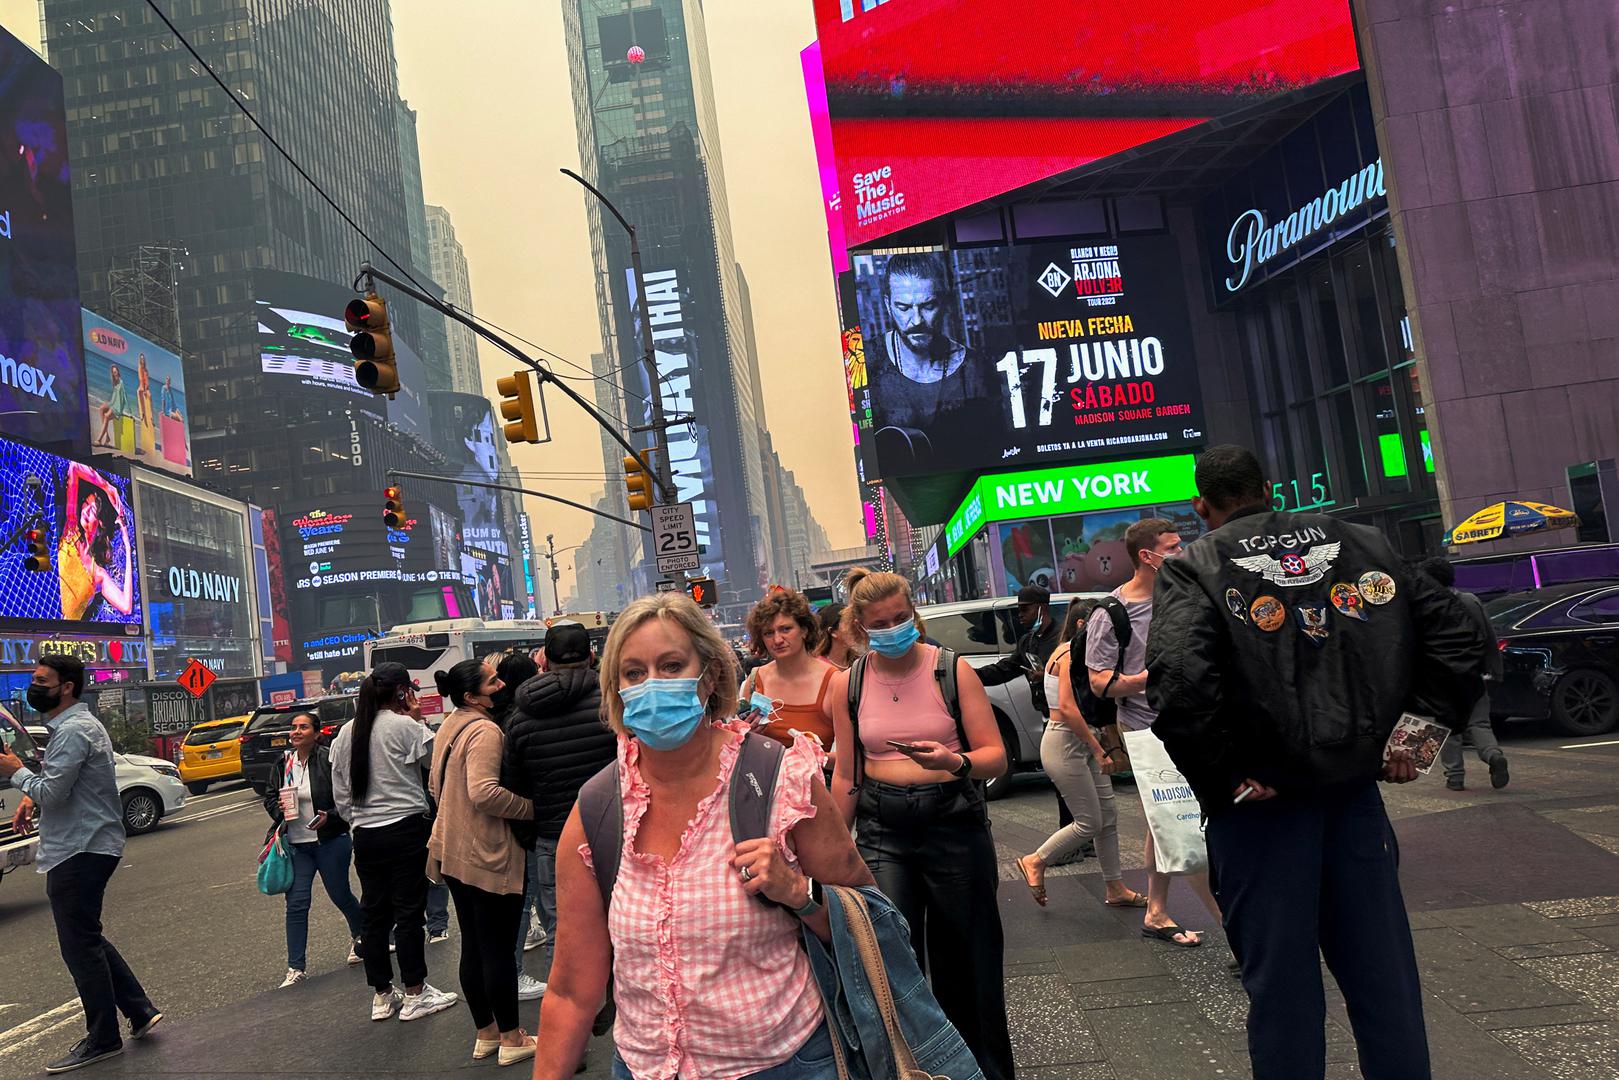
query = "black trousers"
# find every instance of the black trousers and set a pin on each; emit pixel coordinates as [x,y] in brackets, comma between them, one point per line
[930,850]
[488,924]
[1300,879]
[106,986]
[391,861]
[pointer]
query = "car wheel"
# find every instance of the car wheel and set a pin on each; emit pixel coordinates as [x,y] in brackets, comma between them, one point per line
[197,787]
[1585,702]
[141,811]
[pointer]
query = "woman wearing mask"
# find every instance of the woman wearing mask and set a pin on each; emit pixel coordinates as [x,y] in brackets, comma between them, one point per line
[783,627]
[299,795]
[834,647]
[905,780]
[1082,770]
[482,861]
[684,897]
[514,669]
[380,786]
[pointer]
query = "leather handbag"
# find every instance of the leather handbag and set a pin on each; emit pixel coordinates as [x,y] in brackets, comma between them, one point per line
[858,919]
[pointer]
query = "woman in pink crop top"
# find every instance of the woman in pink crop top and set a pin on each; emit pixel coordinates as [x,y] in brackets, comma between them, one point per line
[709,982]
[905,780]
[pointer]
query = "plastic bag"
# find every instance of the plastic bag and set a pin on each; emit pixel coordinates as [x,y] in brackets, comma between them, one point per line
[1173,813]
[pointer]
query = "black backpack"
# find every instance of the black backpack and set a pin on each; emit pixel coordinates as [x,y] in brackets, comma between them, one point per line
[944,671]
[1097,711]
[753,783]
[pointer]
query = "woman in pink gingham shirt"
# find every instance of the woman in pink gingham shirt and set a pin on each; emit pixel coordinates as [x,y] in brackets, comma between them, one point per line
[709,981]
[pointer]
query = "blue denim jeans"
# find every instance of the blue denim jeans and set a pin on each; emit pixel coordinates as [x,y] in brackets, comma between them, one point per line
[330,859]
[539,892]
[814,1061]
[438,908]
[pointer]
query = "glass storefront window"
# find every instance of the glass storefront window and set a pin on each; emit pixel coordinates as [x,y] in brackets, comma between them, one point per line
[1394,469]
[199,584]
[1351,472]
[1331,339]
[1367,312]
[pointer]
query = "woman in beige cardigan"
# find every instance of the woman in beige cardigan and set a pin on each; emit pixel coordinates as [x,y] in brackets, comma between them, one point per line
[480,859]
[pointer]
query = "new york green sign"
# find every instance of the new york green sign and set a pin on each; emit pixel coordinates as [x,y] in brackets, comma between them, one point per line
[1069,489]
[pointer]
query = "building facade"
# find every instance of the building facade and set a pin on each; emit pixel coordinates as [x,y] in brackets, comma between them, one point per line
[449,266]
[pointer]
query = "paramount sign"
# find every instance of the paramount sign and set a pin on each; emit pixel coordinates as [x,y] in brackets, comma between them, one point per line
[1253,241]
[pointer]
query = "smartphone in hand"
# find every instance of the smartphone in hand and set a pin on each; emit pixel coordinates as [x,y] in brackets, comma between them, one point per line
[903,747]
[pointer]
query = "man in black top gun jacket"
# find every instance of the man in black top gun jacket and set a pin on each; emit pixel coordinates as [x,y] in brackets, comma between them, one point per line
[1284,648]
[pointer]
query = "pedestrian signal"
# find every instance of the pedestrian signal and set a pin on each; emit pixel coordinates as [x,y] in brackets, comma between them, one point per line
[637,480]
[393,510]
[703,591]
[517,406]
[372,345]
[38,555]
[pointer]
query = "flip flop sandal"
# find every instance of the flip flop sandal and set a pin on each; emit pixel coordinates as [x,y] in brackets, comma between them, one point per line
[1167,933]
[1036,891]
[1136,900]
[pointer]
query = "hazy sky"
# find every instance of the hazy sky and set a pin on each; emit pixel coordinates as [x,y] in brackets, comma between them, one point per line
[489,82]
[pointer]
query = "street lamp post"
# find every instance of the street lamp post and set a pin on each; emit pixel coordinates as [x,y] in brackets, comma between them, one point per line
[556,575]
[648,358]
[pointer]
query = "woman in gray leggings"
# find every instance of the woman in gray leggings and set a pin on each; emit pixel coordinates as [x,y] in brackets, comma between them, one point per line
[1077,764]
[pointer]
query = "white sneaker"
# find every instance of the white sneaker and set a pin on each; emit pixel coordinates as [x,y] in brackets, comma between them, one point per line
[536,936]
[528,987]
[386,1004]
[438,938]
[294,977]
[426,1003]
[354,953]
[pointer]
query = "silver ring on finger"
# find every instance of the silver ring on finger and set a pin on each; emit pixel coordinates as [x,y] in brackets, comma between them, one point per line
[747,874]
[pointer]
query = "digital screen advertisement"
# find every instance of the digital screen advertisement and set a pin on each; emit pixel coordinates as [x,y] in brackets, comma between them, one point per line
[89,526]
[939,104]
[137,396]
[303,339]
[41,360]
[467,435]
[343,540]
[1000,356]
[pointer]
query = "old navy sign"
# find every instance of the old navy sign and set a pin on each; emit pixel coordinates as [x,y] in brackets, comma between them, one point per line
[1253,240]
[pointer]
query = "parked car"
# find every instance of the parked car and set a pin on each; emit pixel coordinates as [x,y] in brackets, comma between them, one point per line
[212,752]
[15,851]
[150,789]
[265,738]
[983,631]
[1560,654]
[1489,576]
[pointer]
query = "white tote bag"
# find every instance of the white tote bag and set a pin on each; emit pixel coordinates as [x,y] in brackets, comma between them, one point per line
[1173,813]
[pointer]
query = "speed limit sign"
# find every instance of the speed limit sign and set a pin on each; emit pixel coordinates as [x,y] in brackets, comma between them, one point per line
[674,537]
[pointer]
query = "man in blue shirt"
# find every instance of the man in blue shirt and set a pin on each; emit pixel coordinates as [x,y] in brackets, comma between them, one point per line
[81,839]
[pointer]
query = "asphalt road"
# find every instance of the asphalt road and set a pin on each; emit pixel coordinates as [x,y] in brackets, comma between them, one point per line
[184,911]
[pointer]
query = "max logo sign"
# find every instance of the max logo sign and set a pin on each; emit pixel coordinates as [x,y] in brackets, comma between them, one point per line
[27,378]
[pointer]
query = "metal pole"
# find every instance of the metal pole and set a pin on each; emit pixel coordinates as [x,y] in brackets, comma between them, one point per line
[648,354]
[556,578]
[520,491]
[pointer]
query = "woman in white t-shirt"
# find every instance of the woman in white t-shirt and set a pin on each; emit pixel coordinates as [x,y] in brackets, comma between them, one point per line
[298,797]
[379,780]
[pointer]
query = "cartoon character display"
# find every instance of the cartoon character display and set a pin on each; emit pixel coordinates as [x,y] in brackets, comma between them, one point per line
[1107,565]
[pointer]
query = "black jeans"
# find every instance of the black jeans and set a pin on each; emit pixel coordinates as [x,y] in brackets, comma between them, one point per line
[391,861]
[488,924]
[106,986]
[930,850]
[1305,878]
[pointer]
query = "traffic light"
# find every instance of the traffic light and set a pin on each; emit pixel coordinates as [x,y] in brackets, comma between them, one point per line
[638,481]
[703,591]
[517,406]
[38,557]
[372,344]
[393,511]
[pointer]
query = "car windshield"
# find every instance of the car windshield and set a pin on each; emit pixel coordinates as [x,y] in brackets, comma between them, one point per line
[214,733]
[271,720]
[16,737]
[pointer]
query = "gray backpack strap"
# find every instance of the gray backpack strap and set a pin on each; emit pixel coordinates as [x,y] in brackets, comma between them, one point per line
[944,670]
[601,812]
[857,686]
[753,783]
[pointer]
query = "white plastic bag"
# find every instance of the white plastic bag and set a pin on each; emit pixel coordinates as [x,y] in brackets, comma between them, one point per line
[1173,813]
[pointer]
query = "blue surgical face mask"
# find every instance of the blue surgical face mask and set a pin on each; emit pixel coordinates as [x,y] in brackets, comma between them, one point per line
[895,641]
[663,713]
[763,704]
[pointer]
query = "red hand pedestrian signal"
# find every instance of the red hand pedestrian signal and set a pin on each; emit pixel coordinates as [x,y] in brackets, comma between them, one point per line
[702,590]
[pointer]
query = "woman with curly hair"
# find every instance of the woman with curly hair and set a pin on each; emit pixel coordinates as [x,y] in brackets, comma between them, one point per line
[783,627]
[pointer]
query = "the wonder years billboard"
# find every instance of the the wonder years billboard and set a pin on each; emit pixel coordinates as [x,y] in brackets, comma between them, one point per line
[984,357]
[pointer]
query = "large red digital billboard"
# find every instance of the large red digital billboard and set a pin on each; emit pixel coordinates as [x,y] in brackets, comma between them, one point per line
[940,104]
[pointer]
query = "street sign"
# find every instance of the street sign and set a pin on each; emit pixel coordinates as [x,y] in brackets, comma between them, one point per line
[668,585]
[674,537]
[196,678]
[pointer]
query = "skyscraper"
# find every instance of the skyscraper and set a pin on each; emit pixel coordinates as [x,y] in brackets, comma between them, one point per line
[649,139]
[435,346]
[449,268]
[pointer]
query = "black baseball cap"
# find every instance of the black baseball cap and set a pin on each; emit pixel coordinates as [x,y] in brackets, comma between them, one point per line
[567,643]
[1033,594]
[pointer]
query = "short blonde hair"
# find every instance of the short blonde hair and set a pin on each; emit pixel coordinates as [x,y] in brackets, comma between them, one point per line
[719,664]
[866,587]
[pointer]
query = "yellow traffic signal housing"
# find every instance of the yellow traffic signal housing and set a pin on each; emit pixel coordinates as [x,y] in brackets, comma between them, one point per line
[638,481]
[393,510]
[517,406]
[375,368]
[702,590]
[38,553]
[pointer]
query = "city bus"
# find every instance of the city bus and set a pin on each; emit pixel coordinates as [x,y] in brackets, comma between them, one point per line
[426,647]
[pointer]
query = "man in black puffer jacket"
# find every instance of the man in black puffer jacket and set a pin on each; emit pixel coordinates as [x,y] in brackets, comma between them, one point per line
[554,743]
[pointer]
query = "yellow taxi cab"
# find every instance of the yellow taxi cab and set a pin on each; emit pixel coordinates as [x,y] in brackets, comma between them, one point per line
[212,752]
